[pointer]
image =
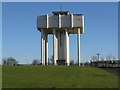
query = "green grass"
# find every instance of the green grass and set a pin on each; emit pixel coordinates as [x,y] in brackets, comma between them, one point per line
[57,77]
[0,77]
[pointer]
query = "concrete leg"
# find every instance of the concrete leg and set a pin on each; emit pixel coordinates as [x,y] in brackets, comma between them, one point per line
[42,48]
[78,38]
[55,47]
[67,47]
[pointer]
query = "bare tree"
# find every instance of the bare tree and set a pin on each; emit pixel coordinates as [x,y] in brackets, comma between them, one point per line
[102,58]
[4,61]
[94,58]
[36,62]
[110,57]
[114,58]
[87,63]
[71,62]
[10,61]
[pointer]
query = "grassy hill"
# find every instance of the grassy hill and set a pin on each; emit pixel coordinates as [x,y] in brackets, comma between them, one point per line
[57,77]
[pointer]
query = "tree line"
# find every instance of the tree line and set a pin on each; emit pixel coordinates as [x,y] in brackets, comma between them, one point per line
[9,61]
[13,61]
[103,58]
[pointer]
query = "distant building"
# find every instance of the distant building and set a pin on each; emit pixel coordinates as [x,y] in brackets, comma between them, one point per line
[106,63]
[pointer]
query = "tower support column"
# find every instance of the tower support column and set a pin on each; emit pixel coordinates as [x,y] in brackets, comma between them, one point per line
[42,47]
[67,47]
[78,40]
[55,47]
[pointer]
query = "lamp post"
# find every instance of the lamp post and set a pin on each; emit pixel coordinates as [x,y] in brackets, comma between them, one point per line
[98,54]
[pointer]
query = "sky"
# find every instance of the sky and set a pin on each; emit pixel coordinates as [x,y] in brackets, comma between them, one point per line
[22,40]
[119,31]
[60,0]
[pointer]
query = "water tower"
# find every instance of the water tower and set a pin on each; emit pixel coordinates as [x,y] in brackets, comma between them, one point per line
[60,24]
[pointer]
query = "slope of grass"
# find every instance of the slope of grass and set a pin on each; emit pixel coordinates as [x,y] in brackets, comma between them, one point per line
[57,77]
[0,77]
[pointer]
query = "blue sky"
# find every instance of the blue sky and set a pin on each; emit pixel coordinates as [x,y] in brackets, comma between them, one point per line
[22,40]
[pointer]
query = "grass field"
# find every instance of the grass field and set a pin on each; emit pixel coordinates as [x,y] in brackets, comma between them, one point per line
[57,77]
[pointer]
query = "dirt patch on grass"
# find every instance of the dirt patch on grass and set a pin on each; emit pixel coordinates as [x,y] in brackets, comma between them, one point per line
[74,85]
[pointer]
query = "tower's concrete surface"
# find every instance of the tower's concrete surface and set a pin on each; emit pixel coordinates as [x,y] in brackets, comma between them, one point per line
[60,24]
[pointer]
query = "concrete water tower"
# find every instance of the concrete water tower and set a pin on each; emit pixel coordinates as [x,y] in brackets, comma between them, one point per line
[60,24]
